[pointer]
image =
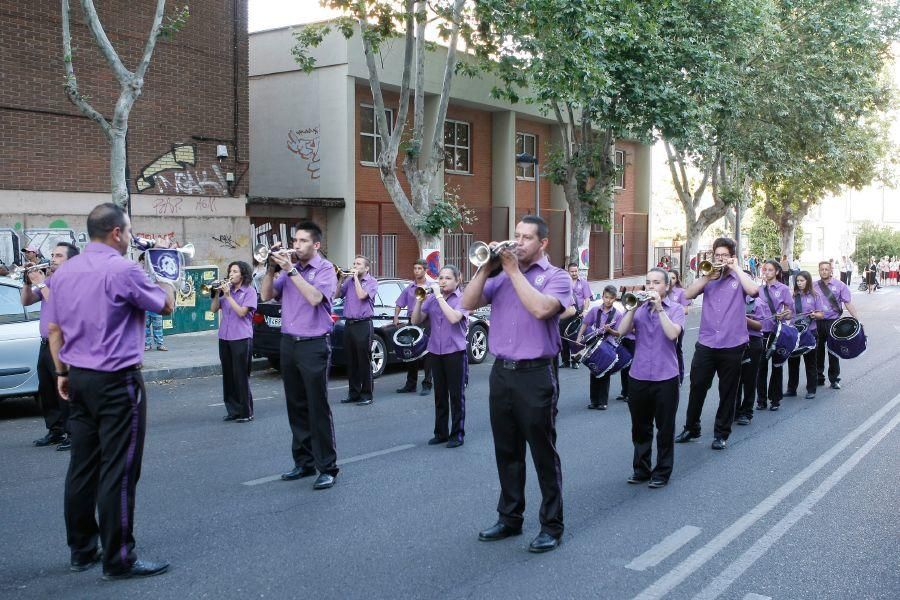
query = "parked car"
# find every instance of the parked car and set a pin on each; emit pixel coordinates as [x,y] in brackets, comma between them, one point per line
[20,342]
[267,329]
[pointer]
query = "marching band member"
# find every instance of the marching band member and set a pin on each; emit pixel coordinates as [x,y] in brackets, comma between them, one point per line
[720,345]
[775,305]
[448,357]
[835,298]
[306,288]
[806,300]
[527,298]
[604,318]
[654,379]
[358,291]
[96,327]
[677,292]
[406,300]
[581,294]
[54,409]
[237,301]
[750,363]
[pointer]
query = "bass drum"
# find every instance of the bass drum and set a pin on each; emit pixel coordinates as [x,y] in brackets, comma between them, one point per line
[410,343]
[846,338]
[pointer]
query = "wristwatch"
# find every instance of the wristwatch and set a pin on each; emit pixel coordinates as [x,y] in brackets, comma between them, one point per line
[293,272]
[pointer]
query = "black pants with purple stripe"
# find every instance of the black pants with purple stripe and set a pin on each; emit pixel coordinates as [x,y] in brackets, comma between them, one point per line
[236,357]
[107,422]
[450,372]
[523,411]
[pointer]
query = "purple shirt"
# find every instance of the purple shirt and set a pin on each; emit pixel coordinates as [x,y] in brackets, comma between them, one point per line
[722,319]
[808,303]
[781,299]
[598,313]
[445,337]
[99,302]
[407,298]
[581,291]
[233,327]
[299,317]
[654,353]
[354,308]
[841,293]
[515,333]
[678,296]
[756,315]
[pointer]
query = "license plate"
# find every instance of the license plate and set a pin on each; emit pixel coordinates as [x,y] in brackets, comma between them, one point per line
[273,321]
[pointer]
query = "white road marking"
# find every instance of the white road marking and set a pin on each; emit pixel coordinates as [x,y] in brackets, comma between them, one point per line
[345,461]
[664,549]
[702,555]
[752,596]
[762,545]
[255,400]
[217,404]
[692,328]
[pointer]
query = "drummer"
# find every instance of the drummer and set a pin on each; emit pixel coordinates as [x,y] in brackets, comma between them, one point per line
[835,298]
[807,307]
[601,320]
[775,305]
[750,363]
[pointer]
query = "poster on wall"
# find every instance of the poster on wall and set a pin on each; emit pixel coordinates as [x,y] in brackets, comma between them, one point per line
[584,255]
[432,262]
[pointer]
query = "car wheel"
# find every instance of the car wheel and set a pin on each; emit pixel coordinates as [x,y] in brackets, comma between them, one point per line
[275,362]
[478,346]
[378,356]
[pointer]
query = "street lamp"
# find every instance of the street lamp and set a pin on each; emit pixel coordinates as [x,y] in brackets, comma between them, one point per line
[524,159]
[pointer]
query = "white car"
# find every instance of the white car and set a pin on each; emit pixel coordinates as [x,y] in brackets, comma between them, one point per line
[20,342]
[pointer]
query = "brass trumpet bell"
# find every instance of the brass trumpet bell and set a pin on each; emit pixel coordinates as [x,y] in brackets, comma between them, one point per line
[631,301]
[480,253]
[341,273]
[20,272]
[707,268]
[422,293]
[262,252]
[208,288]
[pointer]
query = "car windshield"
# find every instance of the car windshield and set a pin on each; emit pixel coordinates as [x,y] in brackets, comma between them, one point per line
[11,310]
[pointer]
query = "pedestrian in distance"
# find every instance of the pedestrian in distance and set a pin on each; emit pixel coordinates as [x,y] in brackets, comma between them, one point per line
[806,302]
[358,289]
[870,274]
[405,300]
[602,319]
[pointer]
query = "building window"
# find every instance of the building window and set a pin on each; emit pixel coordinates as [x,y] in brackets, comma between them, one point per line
[456,246]
[382,253]
[457,146]
[620,169]
[527,143]
[369,140]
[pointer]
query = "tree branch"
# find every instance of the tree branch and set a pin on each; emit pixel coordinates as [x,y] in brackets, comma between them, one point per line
[71,85]
[387,158]
[122,74]
[403,109]
[151,43]
[437,157]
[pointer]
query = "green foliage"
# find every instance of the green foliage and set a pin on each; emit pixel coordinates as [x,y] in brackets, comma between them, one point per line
[175,22]
[446,214]
[765,238]
[874,240]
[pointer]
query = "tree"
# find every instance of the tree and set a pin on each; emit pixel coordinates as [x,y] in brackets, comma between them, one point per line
[376,21]
[874,240]
[131,84]
[765,240]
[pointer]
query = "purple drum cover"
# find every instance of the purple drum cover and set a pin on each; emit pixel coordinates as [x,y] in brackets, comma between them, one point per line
[624,359]
[601,359]
[849,348]
[783,343]
[410,343]
[806,343]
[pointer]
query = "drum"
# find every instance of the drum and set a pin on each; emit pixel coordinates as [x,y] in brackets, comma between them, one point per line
[782,343]
[624,358]
[573,327]
[807,341]
[846,338]
[410,343]
[601,357]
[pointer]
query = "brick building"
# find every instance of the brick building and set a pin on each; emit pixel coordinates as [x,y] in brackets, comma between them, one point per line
[54,162]
[313,152]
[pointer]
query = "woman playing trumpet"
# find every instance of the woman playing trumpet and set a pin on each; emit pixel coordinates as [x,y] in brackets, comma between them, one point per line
[602,319]
[236,298]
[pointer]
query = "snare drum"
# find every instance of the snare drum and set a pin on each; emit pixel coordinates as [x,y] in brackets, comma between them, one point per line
[782,343]
[807,341]
[410,343]
[601,357]
[846,338]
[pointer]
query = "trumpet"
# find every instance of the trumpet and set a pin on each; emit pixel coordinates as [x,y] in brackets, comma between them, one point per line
[341,273]
[422,293]
[631,301]
[707,268]
[21,272]
[262,252]
[207,289]
[480,253]
[139,243]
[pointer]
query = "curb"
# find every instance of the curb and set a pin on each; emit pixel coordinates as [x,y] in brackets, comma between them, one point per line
[164,374]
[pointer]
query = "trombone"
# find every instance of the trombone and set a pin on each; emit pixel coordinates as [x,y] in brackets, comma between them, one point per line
[480,253]
[21,272]
[207,289]
[706,268]
[631,301]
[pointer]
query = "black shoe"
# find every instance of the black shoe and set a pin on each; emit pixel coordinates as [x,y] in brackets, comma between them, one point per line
[324,481]
[297,473]
[83,565]
[790,394]
[498,531]
[602,407]
[426,390]
[65,445]
[454,443]
[365,402]
[742,420]
[50,439]
[636,479]
[820,381]
[835,385]
[575,365]
[761,406]
[140,568]
[775,406]
[351,400]
[809,396]
[657,483]
[406,390]
[594,406]
[544,542]
[686,436]
[622,397]
[244,419]
[436,440]
[230,418]
[719,444]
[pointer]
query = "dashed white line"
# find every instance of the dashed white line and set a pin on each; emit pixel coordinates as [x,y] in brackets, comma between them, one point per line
[664,549]
[752,596]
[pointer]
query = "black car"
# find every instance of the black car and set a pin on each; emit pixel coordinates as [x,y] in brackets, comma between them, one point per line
[267,329]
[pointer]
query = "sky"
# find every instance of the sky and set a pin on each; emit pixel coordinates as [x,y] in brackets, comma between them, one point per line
[268,14]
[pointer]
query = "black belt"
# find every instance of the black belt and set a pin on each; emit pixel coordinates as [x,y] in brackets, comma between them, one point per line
[300,338]
[44,341]
[515,365]
[136,367]
[362,320]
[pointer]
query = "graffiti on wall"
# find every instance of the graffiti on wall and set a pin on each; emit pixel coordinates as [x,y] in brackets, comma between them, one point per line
[15,240]
[176,172]
[228,241]
[173,205]
[305,144]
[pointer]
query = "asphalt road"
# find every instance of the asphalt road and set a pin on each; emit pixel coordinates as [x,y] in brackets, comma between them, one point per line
[802,504]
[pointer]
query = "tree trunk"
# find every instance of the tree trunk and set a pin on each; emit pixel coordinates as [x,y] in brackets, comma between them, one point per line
[691,244]
[788,229]
[117,164]
[580,234]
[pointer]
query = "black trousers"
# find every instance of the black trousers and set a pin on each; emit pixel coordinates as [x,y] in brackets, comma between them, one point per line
[236,357]
[834,363]
[523,410]
[566,348]
[450,373]
[358,350]
[746,392]
[54,408]
[304,370]
[649,402]
[599,390]
[769,388]
[412,373]
[809,364]
[706,364]
[629,344]
[107,423]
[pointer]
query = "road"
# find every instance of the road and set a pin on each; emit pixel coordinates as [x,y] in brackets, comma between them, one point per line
[802,504]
